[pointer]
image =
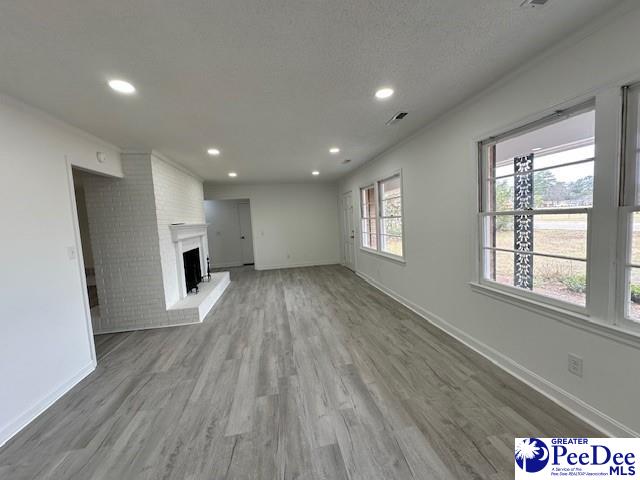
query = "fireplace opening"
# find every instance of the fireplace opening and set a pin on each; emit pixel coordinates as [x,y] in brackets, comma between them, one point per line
[192,272]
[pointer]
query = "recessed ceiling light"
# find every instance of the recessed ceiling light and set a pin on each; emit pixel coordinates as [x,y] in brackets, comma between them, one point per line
[536,149]
[334,150]
[232,174]
[122,86]
[384,93]
[315,172]
[213,152]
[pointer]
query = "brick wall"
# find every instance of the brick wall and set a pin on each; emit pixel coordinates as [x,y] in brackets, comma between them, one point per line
[178,198]
[133,253]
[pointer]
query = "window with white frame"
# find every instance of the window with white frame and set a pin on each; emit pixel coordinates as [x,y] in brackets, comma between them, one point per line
[390,194]
[630,203]
[381,216]
[369,217]
[536,198]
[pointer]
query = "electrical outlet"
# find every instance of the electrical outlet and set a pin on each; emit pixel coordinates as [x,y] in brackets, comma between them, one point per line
[575,365]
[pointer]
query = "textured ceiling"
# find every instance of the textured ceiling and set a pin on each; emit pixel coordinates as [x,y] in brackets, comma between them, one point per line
[273,84]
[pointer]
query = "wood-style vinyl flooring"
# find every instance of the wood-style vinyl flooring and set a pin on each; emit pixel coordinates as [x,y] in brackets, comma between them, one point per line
[305,373]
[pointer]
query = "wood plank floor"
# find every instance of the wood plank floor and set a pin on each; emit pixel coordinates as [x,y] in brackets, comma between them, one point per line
[304,373]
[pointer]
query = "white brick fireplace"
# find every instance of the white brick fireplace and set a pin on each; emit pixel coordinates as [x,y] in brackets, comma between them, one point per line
[140,227]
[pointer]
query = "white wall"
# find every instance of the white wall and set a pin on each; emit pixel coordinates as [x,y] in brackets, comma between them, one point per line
[178,199]
[440,205]
[45,341]
[223,232]
[293,224]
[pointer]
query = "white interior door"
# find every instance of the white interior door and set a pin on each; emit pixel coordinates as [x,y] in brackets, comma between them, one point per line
[246,235]
[348,230]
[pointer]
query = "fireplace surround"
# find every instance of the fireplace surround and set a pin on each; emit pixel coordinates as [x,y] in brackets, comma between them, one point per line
[188,238]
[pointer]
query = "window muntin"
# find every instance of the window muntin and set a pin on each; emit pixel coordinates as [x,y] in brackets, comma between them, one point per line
[381,216]
[537,197]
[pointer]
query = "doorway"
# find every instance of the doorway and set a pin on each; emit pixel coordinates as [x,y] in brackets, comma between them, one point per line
[348,231]
[229,232]
[79,179]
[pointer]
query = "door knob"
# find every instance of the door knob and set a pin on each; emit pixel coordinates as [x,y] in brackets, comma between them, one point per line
[242,237]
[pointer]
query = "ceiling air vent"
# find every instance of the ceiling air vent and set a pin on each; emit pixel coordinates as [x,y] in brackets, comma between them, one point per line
[346,160]
[534,3]
[396,118]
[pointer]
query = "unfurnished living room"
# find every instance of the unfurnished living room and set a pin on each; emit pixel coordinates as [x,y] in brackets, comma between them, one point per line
[305,239]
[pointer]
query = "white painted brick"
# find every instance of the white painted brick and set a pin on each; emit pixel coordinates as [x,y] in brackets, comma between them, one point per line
[134,256]
[179,198]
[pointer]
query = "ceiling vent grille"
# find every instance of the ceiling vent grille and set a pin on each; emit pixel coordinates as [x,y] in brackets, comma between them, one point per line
[396,118]
[534,3]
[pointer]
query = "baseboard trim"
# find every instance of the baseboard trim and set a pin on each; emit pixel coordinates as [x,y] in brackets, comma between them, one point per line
[143,327]
[296,265]
[589,414]
[227,264]
[14,427]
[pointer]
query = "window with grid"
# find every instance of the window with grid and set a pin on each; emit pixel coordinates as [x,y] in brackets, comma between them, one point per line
[630,203]
[381,217]
[390,195]
[536,199]
[368,217]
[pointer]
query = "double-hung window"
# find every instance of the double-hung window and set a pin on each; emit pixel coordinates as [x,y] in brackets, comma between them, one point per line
[369,217]
[536,201]
[381,216]
[390,195]
[630,207]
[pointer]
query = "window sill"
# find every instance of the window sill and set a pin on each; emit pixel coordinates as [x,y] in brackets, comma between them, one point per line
[388,256]
[622,335]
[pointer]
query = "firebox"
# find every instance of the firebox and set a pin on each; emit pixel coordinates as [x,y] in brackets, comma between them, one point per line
[192,272]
